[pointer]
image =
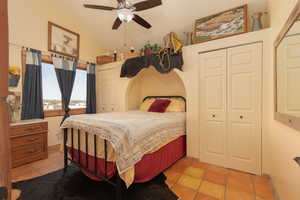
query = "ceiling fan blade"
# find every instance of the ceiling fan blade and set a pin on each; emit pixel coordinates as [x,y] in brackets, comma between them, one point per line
[117,24]
[98,7]
[141,21]
[144,5]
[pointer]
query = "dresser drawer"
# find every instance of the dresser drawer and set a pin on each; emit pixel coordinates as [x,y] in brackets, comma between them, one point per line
[28,153]
[28,129]
[26,140]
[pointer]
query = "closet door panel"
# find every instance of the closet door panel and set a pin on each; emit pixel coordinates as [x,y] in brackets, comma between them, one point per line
[244,107]
[213,107]
[109,85]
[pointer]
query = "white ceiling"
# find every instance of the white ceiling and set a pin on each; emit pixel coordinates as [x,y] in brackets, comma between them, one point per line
[173,15]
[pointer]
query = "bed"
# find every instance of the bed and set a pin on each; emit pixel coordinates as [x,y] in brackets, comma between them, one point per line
[133,146]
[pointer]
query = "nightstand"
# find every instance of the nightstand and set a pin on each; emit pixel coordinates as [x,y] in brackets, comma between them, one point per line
[28,141]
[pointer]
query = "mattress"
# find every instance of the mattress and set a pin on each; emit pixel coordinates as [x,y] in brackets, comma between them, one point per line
[131,135]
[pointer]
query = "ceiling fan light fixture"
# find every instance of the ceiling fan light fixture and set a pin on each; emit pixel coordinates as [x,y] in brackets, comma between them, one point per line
[125,14]
[126,11]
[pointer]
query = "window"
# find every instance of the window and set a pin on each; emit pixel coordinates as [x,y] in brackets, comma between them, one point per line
[78,98]
[51,91]
[52,99]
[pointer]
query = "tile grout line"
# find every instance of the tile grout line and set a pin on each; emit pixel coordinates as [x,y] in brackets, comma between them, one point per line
[253,186]
[226,187]
[198,190]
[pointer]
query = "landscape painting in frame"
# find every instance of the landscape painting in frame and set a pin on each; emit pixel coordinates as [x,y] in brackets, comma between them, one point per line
[63,41]
[220,25]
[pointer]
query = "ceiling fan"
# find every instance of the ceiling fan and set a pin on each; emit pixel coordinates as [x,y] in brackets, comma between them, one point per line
[126,10]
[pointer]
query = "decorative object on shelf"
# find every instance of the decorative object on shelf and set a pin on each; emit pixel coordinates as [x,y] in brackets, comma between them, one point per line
[14,74]
[63,41]
[132,50]
[101,60]
[188,38]
[126,11]
[115,55]
[149,49]
[172,42]
[224,24]
[133,66]
[13,100]
[257,21]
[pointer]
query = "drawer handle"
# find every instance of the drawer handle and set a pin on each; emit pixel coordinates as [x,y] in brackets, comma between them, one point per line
[32,140]
[32,151]
[33,129]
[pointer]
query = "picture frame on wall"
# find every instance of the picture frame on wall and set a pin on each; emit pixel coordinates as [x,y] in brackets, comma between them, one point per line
[224,24]
[63,41]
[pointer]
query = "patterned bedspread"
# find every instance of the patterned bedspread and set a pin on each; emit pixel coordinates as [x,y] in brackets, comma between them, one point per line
[132,134]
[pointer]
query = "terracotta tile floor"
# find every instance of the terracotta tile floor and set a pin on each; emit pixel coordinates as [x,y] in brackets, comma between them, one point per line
[193,180]
[188,178]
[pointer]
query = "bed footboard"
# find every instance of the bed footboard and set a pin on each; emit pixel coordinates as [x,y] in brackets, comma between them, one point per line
[118,183]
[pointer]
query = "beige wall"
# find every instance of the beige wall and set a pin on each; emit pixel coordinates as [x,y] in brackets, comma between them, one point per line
[28,26]
[283,142]
[149,82]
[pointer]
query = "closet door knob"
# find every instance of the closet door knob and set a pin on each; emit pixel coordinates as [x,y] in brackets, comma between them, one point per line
[241,117]
[213,116]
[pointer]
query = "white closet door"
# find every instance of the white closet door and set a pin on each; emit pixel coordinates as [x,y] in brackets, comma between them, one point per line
[288,75]
[109,90]
[213,107]
[244,71]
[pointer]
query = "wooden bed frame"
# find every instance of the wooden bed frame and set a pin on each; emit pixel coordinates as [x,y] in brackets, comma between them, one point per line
[118,183]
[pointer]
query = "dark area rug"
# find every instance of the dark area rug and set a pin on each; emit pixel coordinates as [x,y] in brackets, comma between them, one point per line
[3,193]
[76,186]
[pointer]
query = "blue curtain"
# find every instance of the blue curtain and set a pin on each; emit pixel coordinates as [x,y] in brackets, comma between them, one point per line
[32,93]
[65,73]
[91,89]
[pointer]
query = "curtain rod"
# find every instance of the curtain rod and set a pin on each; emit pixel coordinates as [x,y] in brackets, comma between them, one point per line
[49,53]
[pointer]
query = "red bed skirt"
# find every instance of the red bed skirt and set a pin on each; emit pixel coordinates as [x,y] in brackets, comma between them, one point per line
[149,167]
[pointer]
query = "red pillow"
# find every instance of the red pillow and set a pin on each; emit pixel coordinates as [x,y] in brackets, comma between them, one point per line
[159,105]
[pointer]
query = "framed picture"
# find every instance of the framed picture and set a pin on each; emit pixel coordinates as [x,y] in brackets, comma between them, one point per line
[63,41]
[224,24]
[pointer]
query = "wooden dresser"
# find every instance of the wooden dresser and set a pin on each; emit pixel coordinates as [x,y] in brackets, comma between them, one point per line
[28,141]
